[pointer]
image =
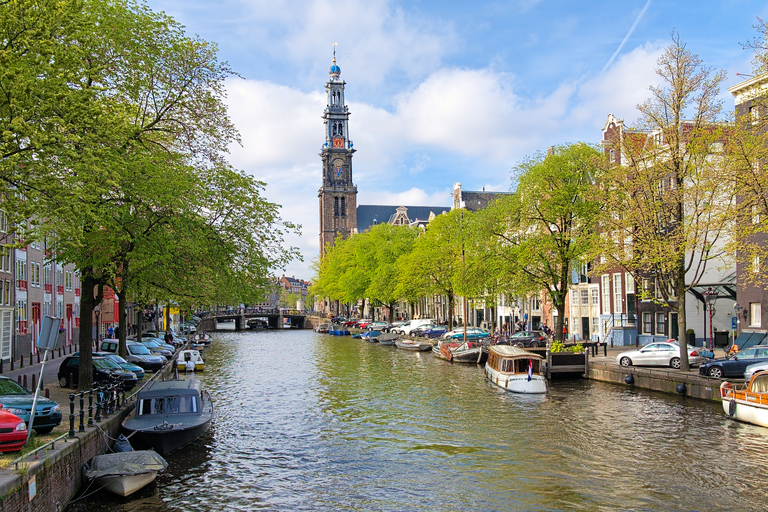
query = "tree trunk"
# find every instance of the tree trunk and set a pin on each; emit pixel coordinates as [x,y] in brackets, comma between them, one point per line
[121,322]
[87,303]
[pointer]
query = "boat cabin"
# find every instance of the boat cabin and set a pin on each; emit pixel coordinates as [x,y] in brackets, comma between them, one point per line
[759,383]
[170,397]
[507,359]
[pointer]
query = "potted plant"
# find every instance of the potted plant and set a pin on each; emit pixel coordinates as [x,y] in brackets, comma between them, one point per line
[690,337]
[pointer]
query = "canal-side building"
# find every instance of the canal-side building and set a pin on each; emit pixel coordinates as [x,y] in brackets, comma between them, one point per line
[632,308]
[751,100]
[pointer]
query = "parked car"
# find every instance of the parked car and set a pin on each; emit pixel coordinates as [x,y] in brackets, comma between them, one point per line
[377,326]
[528,339]
[753,369]
[13,432]
[350,323]
[104,372]
[187,327]
[137,353]
[735,365]
[418,332]
[473,333]
[157,347]
[125,365]
[394,325]
[363,323]
[435,331]
[17,399]
[410,325]
[660,353]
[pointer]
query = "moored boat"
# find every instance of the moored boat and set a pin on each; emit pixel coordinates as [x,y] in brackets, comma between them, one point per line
[460,352]
[413,345]
[515,369]
[748,402]
[169,414]
[388,338]
[124,473]
[190,360]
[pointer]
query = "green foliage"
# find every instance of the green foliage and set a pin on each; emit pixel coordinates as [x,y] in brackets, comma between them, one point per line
[557,346]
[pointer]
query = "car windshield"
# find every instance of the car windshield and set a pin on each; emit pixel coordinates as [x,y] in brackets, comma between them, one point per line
[138,350]
[116,358]
[104,364]
[9,387]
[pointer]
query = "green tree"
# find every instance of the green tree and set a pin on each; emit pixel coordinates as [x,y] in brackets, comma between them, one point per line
[548,224]
[668,204]
[387,244]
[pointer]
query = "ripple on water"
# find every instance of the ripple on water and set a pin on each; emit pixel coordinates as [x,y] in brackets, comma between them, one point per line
[312,422]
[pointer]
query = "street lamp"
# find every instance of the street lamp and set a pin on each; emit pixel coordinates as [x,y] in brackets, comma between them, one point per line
[710,296]
[737,311]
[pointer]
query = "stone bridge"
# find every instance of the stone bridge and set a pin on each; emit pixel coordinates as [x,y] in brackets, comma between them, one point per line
[272,318]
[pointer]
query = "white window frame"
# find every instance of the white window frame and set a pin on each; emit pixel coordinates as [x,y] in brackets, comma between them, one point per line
[618,296]
[605,283]
[755,314]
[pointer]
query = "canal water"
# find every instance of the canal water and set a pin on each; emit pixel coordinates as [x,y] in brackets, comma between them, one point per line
[308,422]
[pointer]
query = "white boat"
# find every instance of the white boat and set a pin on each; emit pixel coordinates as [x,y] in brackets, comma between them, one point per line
[124,473]
[515,369]
[190,360]
[748,402]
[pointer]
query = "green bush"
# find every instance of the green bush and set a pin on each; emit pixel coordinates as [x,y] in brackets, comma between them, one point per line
[557,346]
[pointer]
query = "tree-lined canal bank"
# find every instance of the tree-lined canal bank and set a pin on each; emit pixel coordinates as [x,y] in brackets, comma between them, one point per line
[311,422]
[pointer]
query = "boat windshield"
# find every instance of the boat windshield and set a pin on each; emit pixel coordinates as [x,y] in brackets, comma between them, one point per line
[760,384]
[168,405]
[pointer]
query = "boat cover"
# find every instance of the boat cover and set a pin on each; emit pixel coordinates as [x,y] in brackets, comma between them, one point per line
[125,463]
[512,351]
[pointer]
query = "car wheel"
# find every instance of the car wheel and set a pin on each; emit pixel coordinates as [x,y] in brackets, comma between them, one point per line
[625,361]
[715,372]
[675,363]
[63,382]
[534,344]
[43,430]
[426,336]
[520,344]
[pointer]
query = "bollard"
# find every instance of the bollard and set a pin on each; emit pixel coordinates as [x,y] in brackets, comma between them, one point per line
[90,407]
[82,412]
[34,381]
[18,379]
[11,364]
[71,415]
[21,363]
[24,381]
[605,350]
[47,393]
[70,381]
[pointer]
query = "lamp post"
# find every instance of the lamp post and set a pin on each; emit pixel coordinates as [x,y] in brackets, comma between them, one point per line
[737,311]
[710,297]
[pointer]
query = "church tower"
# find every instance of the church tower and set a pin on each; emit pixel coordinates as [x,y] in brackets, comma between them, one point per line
[338,195]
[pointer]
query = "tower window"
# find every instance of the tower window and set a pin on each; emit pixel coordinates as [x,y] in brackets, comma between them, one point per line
[343,206]
[335,206]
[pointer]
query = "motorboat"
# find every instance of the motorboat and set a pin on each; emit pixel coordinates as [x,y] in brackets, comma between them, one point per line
[124,473]
[323,328]
[515,369]
[747,402]
[190,360]
[202,339]
[413,345]
[169,414]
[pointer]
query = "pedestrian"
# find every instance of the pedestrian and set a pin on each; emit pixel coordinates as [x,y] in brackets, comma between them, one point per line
[110,331]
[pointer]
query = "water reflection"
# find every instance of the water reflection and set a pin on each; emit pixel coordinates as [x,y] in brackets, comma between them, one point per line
[312,422]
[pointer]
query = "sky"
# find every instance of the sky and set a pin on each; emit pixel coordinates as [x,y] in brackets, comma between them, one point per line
[442,91]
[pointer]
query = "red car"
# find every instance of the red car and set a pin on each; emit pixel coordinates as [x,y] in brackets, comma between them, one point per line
[13,432]
[362,324]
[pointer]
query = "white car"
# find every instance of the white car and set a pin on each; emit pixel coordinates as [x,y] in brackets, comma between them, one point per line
[660,353]
[410,325]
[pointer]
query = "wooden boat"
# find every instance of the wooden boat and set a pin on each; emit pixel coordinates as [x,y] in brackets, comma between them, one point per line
[124,473]
[323,328]
[515,369]
[190,360]
[748,402]
[413,345]
[169,414]
[460,352]
[201,339]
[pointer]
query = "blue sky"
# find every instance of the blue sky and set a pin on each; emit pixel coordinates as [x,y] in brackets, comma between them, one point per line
[442,91]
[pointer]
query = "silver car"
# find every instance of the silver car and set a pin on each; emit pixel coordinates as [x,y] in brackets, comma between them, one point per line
[660,353]
[752,369]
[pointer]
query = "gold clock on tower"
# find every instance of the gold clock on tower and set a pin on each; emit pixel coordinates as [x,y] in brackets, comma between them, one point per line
[338,142]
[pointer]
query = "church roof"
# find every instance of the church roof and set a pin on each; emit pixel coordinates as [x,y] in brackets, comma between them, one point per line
[370,214]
